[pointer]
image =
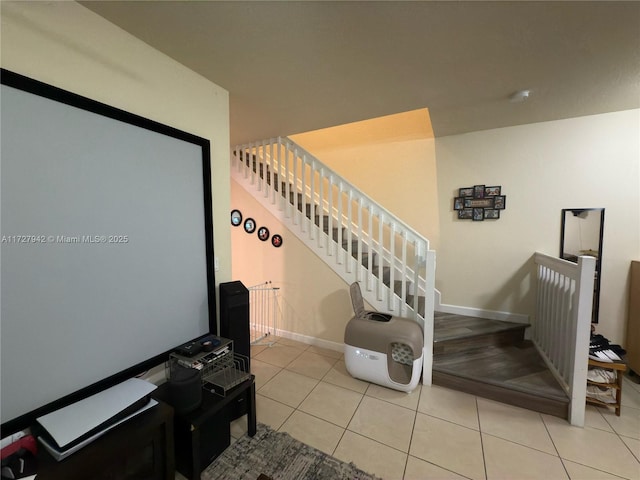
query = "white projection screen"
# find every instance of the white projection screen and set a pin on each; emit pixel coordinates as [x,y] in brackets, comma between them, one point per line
[107,246]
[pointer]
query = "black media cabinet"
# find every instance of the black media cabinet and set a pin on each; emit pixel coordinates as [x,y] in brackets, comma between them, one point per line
[140,448]
[203,434]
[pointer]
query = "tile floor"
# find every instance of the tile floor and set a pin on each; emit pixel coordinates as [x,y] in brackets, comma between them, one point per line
[434,432]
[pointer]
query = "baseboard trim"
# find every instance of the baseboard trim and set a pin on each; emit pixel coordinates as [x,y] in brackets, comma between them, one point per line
[478,312]
[316,342]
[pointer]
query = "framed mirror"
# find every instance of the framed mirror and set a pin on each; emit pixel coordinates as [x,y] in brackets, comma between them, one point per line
[581,234]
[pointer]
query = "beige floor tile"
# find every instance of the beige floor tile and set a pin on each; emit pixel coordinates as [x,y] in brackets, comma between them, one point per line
[371,456]
[256,349]
[514,424]
[339,375]
[289,388]
[326,352]
[419,470]
[384,422]
[582,472]
[593,448]
[291,343]
[332,403]
[634,446]
[594,419]
[504,458]
[314,432]
[450,446]
[312,365]
[630,396]
[457,407]
[270,412]
[279,355]
[631,382]
[263,372]
[627,424]
[404,399]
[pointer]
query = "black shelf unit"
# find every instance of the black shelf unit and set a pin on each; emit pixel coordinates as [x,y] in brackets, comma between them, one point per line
[203,434]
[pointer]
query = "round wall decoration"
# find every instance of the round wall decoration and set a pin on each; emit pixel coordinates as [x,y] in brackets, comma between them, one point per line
[276,241]
[263,233]
[249,225]
[236,217]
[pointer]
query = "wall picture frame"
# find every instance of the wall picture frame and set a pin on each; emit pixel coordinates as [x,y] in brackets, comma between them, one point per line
[236,218]
[276,240]
[478,214]
[465,214]
[478,191]
[480,202]
[491,214]
[465,192]
[263,234]
[249,225]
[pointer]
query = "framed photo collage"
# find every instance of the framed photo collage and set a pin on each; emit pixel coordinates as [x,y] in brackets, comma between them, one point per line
[479,203]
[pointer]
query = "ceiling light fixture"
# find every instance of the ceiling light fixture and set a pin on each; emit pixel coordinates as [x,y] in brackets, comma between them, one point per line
[519,96]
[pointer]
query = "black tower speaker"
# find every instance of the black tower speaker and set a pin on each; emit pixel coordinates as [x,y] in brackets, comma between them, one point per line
[234,317]
[234,325]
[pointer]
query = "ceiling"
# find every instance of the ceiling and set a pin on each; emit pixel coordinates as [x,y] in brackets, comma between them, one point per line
[292,67]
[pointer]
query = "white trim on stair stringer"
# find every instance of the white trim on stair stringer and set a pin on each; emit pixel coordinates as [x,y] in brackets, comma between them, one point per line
[478,312]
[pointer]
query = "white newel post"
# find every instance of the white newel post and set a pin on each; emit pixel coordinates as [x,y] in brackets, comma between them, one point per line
[582,308]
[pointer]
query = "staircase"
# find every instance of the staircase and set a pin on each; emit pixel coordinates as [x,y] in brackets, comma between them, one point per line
[361,241]
[492,359]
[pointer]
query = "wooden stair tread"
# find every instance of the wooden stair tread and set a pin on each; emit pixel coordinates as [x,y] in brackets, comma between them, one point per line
[449,326]
[518,367]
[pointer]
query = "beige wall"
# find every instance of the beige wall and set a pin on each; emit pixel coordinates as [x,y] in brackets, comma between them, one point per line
[66,45]
[391,159]
[589,161]
[314,301]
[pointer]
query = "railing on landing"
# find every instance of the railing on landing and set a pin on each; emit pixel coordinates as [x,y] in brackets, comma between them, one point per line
[359,239]
[562,325]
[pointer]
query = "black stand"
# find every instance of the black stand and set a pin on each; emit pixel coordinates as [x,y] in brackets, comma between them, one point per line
[203,434]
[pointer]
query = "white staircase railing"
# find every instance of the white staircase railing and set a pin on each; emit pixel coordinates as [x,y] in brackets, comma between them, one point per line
[562,325]
[359,239]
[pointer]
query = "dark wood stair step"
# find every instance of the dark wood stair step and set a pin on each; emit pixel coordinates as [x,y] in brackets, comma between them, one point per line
[513,374]
[458,333]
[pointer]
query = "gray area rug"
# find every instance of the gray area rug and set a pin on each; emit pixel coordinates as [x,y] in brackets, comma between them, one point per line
[281,457]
